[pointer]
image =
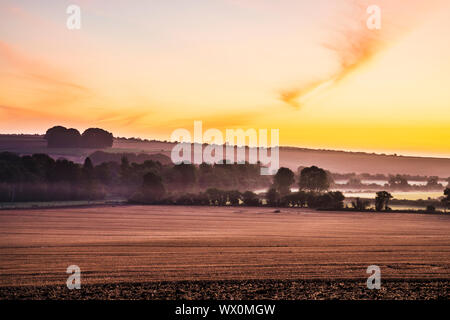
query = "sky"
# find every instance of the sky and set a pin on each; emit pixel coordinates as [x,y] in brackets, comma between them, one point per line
[311,69]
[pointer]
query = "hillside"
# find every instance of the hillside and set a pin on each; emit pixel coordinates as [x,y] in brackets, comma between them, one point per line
[335,161]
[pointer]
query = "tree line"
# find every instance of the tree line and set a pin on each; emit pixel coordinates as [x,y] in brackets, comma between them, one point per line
[313,184]
[39,177]
[393,182]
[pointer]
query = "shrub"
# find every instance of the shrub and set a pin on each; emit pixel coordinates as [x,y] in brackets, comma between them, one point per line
[250,198]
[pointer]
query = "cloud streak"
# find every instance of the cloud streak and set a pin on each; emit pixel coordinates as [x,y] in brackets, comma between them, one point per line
[50,84]
[353,45]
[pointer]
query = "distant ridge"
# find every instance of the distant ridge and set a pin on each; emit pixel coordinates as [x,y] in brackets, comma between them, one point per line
[292,157]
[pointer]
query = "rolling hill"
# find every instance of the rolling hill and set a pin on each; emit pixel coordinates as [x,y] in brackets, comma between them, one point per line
[335,161]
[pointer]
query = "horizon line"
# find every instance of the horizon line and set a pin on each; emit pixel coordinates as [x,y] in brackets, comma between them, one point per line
[369,152]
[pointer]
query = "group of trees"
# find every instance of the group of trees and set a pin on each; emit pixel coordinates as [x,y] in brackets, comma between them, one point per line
[41,178]
[402,182]
[446,199]
[212,196]
[322,200]
[155,194]
[61,137]
[190,178]
[312,179]
[381,202]
[98,157]
[313,183]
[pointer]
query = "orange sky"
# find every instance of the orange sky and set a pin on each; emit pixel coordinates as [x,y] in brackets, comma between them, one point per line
[310,69]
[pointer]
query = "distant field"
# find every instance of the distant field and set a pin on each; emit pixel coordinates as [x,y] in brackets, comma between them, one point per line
[131,244]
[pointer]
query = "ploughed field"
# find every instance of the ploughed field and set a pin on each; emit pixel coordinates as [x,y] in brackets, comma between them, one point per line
[221,252]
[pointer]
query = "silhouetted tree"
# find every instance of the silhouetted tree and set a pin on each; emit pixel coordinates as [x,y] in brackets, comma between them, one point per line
[216,197]
[61,137]
[125,171]
[283,180]
[286,201]
[99,157]
[107,173]
[250,198]
[446,199]
[73,138]
[88,169]
[185,175]
[65,170]
[273,197]
[329,200]
[152,187]
[43,164]
[398,182]
[97,138]
[382,200]
[88,178]
[234,196]
[336,200]
[299,198]
[433,182]
[354,182]
[314,179]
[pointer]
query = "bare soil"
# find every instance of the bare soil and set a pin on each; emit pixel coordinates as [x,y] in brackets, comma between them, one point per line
[222,252]
[239,290]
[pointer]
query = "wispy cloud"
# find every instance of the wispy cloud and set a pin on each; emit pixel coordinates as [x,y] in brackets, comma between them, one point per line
[21,112]
[126,118]
[354,44]
[52,88]
[35,69]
